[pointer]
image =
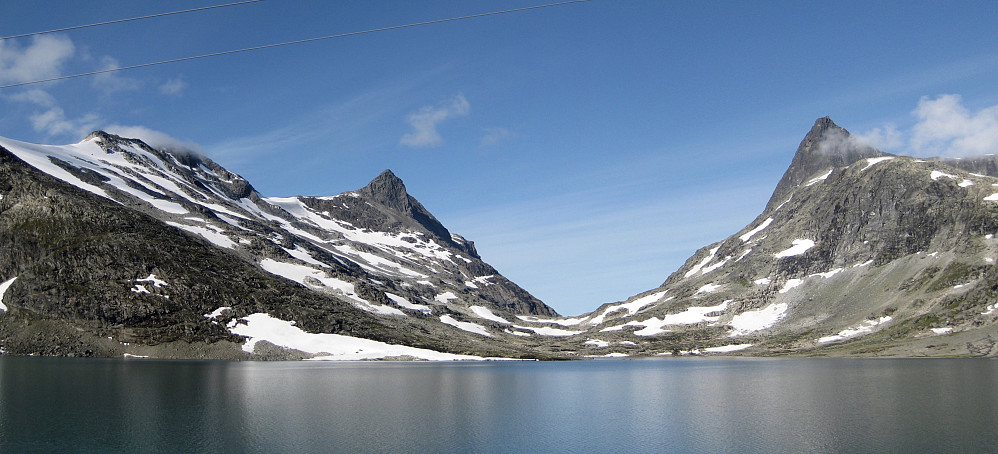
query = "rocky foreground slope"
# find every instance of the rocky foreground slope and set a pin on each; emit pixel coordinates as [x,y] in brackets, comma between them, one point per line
[110,247]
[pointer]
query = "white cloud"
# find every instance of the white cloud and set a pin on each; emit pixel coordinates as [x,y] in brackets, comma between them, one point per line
[34,96]
[425,120]
[53,122]
[153,138]
[173,87]
[947,128]
[111,82]
[43,58]
[495,135]
[883,139]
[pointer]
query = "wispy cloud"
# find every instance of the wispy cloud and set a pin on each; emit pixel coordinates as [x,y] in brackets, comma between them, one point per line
[494,136]
[173,87]
[43,58]
[153,138]
[54,122]
[112,82]
[424,122]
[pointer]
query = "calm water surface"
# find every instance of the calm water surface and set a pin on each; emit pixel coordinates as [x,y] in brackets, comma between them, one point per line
[669,405]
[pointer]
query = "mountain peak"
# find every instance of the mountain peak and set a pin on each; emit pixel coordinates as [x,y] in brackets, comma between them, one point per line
[389,190]
[826,145]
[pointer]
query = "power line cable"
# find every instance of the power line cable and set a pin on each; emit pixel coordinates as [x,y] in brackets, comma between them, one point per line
[288,43]
[150,16]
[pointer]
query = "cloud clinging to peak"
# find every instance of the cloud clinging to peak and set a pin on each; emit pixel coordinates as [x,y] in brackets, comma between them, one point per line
[425,120]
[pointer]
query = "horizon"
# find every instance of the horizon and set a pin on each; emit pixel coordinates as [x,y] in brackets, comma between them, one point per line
[585,169]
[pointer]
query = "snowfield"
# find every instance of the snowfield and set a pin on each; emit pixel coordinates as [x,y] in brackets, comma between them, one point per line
[263,327]
[799,247]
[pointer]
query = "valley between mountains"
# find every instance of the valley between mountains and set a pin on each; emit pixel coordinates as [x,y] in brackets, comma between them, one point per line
[112,248]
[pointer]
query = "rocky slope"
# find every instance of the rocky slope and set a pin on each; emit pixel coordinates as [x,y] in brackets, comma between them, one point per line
[857,253]
[111,247]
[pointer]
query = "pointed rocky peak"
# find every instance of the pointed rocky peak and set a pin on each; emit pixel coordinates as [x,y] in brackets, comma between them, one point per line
[827,145]
[388,190]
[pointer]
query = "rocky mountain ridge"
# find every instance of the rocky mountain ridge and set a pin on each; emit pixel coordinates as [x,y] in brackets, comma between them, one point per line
[141,245]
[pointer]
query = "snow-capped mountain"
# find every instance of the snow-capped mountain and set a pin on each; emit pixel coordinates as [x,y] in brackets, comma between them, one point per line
[858,252]
[376,254]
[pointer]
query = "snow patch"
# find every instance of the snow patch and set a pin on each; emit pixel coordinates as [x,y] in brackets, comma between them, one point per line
[152,279]
[748,235]
[935,175]
[870,162]
[466,326]
[708,288]
[549,331]
[864,327]
[992,197]
[263,327]
[799,247]
[3,290]
[760,319]
[631,308]
[696,268]
[443,298]
[690,316]
[217,312]
[597,343]
[401,301]
[485,313]
[791,283]
[945,330]
[728,348]
[987,310]
[819,179]
[763,281]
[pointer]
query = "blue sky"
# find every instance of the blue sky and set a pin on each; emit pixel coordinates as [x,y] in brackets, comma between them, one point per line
[587,149]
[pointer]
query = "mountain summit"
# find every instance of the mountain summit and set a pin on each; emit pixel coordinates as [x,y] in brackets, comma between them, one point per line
[826,145]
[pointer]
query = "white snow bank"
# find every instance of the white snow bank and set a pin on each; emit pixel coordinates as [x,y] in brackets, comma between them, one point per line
[759,319]
[631,307]
[870,162]
[443,298]
[549,331]
[690,316]
[709,288]
[945,330]
[762,281]
[298,273]
[152,279]
[485,313]
[799,247]
[987,310]
[935,175]
[263,327]
[819,179]
[727,348]
[696,268]
[966,183]
[217,312]
[597,343]
[401,301]
[212,235]
[748,235]
[466,326]
[557,321]
[791,283]
[992,197]
[863,328]
[3,290]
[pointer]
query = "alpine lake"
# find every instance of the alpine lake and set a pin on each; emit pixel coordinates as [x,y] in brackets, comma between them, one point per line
[683,405]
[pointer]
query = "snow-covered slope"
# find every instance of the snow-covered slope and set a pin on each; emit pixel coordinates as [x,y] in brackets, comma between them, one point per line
[376,248]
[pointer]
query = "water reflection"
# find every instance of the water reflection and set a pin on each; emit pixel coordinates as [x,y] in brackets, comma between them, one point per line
[677,405]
